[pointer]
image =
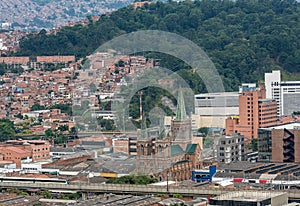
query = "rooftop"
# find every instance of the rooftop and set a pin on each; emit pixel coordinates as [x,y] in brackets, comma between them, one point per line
[221,94]
[176,150]
[249,196]
[293,125]
[191,148]
[17,150]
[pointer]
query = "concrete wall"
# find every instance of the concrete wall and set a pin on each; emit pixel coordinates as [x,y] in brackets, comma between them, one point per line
[212,121]
[279,200]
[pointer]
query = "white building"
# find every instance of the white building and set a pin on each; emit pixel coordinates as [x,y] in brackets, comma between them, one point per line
[286,93]
[229,148]
[214,108]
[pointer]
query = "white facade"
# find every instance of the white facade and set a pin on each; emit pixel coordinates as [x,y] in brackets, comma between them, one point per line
[8,168]
[286,93]
[35,167]
[217,104]
[104,114]
[214,108]
[229,148]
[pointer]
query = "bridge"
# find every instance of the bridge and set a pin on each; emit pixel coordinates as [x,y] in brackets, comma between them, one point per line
[132,189]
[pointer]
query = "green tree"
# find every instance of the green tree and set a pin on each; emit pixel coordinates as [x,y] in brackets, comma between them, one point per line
[63,128]
[36,107]
[133,179]
[65,108]
[204,130]
[7,130]
[73,131]
[93,87]
[254,145]
[46,194]
[49,134]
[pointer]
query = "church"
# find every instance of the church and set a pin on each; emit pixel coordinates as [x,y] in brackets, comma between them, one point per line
[171,154]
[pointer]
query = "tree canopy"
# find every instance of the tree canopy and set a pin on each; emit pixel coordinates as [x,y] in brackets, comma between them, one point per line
[133,179]
[243,38]
[7,130]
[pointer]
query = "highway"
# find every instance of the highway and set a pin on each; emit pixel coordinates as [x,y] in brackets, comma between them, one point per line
[132,189]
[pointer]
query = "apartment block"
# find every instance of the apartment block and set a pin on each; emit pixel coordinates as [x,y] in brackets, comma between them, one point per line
[125,144]
[279,143]
[230,148]
[255,111]
[286,93]
[14,60]
[20,151]
[15,154]
[139,4]
[58,59]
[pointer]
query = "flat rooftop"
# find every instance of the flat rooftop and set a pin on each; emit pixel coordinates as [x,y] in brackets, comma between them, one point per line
[284,126]
[221,94]
[248,196]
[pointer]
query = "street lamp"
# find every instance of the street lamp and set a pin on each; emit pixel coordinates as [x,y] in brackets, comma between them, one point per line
[168,181]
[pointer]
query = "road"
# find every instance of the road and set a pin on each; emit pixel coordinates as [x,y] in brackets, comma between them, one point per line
[132,189]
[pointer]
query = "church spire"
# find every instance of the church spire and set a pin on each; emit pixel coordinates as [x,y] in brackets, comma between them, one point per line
[162,131]
[180,111]
[144,133]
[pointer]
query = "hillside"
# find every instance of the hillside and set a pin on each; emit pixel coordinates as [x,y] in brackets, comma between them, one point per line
[245,38]
[37,14]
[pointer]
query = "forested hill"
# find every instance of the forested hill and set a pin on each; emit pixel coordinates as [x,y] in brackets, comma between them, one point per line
[244,38]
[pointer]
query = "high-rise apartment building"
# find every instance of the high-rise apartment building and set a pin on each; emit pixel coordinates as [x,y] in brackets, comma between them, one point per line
[279,143]
[230,148]
[255,111]
[286,93]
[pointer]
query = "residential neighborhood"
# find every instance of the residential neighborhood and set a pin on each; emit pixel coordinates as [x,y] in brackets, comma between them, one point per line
[157,103]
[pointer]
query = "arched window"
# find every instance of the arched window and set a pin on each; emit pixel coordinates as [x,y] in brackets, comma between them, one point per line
[142,150]
[159,148]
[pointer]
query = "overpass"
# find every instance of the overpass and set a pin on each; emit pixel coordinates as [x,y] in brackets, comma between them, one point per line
[132,189]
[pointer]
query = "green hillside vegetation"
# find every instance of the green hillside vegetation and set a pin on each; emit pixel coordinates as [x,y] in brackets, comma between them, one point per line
[244,38]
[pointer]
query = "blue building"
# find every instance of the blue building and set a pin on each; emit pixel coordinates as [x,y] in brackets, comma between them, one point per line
[204,175]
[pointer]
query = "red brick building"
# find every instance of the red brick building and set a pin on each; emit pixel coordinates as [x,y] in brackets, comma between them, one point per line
[255,111]
[18,150]
[279,143]
[15,154]
[60,59]
[14,60]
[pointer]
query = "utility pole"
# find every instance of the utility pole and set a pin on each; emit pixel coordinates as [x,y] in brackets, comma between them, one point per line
[168,181]
[141,106]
